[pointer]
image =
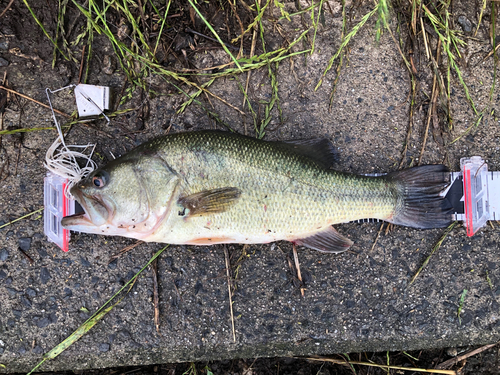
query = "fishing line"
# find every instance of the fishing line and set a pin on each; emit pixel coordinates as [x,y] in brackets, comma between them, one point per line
[61,159]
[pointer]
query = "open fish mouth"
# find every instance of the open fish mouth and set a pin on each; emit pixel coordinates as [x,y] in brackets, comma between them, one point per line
[92,214]
[76,219]
[79,220]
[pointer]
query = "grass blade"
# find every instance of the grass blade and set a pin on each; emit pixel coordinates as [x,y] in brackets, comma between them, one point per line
[22,217]
[461,305]
[386,367]
[43,29]
[345,42]
[434,249]
[94,319]
[254,22]
[24,130]
[161,28]
[215,34]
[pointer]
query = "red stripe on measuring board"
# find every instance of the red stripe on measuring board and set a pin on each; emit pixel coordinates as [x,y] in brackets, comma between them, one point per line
[468,202]
[65,234]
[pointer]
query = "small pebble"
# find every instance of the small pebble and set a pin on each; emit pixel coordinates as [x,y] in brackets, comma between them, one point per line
[26,302]
[84,262]
[198,287]
[4,254]
[53,317]
[124,335]
[465,23]
[452,352]
[113,264]
[4,45]
[3,62]
[109,65]
[42,323]
[44,275]
[31,292]
[25,243]
[104,347]
[38,349]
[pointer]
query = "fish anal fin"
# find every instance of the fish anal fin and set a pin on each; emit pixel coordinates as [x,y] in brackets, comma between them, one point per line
[326,241]
[209,201]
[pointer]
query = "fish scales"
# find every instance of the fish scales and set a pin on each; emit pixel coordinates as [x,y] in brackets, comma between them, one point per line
[254,192]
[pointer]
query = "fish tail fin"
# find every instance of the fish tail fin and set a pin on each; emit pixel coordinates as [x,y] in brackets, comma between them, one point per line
[420,204]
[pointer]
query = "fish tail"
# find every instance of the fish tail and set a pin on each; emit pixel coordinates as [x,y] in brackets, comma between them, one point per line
[420,204]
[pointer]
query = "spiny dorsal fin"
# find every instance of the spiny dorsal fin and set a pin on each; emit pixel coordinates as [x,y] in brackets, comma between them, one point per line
[326,241]
[209,201]
[320,150]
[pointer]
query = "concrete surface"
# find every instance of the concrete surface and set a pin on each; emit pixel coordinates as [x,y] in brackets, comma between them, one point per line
[357,301]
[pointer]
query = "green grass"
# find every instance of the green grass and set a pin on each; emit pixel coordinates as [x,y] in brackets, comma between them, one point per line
[43,29]
[434,249]
[137,54]
[451,41]
[136,51]
[21,218]
[494,44]
[345,41]
[461,305]
[215,34]
[96,317]
[488,279]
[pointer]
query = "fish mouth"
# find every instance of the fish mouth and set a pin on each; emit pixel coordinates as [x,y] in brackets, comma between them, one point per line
[77,219]
[95,214]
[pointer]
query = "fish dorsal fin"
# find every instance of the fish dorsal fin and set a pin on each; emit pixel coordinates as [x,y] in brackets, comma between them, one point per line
[320,150]
[326,241]
[209,201]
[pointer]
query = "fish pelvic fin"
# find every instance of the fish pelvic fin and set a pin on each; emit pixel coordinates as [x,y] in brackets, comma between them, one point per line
[209,201]
[327,241]
[420,204]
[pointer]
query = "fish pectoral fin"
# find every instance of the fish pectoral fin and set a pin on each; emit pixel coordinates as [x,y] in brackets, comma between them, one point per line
[326,241]
[209,201]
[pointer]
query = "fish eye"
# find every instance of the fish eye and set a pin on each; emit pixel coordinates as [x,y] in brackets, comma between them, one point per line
[99,181]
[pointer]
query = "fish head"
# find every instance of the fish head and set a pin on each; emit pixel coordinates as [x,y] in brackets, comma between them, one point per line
[128,197]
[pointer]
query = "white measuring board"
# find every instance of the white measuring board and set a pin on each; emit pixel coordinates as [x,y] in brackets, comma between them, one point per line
[492,198]
[494,195]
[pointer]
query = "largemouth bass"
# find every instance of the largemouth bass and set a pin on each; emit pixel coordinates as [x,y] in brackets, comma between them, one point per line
[213,187]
